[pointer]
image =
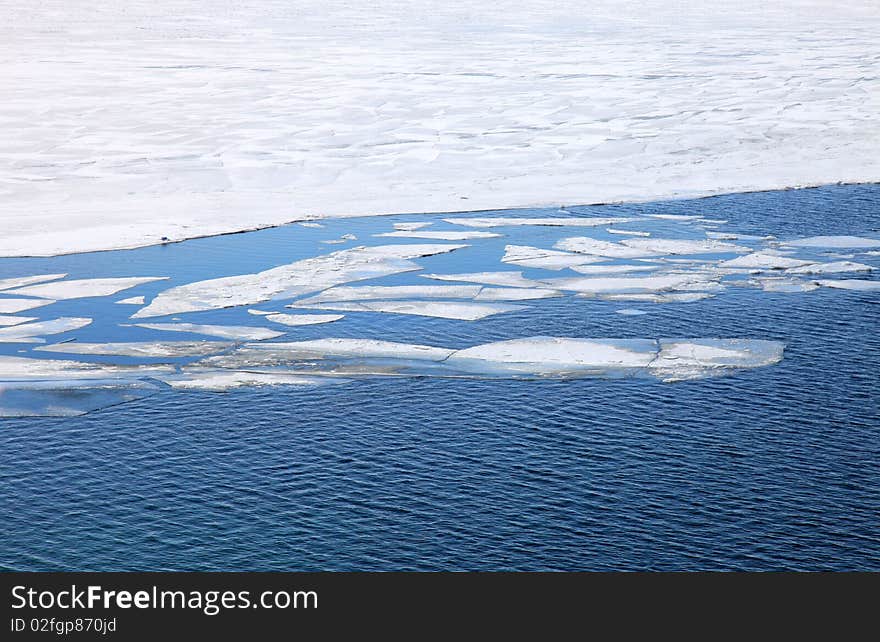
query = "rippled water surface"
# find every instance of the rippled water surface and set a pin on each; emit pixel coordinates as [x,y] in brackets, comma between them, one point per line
[772,468]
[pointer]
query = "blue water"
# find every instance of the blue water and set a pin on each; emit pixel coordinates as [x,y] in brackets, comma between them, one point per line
[770,469]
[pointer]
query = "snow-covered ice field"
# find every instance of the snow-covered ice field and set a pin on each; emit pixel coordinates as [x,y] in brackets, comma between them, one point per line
[123,123]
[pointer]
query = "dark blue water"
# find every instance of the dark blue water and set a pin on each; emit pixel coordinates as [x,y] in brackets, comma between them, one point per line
[774,468]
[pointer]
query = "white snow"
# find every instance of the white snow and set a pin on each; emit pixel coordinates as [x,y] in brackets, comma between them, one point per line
[134,300]
[301,277]
[12,306]
[506,278]
[142,348]
[127,122]
[81,288]
[19,281]
[303,319]
[445,309]
[440,235]
[24,331]
[234,332]
[835,241]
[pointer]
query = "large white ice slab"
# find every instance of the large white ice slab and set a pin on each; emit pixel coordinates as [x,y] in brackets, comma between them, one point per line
[506,278]
[535,257]
[175,121]
[233,332]
[850,284]
[442,309]
[623,285]
[301,277]
[681,359]
[150,349]
[274,354]
[134,300]
[68,397]
[764,261]
[831,268]
[835,241]
[587,245]
[613,269]
[10,320]
[19,281]
[12,306]
[37,328]
[214,380]
[81,288]
[28,369]
[363,292]
[569,221]
[684,246]
[440,235]
[303,319]
[515,294]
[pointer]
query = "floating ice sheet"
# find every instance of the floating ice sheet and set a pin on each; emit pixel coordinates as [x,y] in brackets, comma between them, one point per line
[301,277]
[515,294]
[234,332]
[557,221]
[12,306]
[509,279]
[440,235]
[764,261]
[304,319]
[216,380]
[596,247]
[20,281]
[68,398]
[80,288]
[37,328]
[134,300]
[535,257]
[612,230]
[850,284]
[831,268]
[27,369]
[8,320]
[410,226]
[658,297]
[680,359]
[684,246]
[364,292]
[835,241]
[612,269]
[624,285]
[150,349]
[443,309]
[631,312]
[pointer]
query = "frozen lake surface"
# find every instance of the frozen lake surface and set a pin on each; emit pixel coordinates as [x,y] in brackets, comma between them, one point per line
[126,122]
[455,455]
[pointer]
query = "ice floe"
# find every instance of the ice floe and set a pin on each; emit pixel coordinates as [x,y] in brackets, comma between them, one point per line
[254,355]
[234,332]
[439,235]
[587,245]
[311,224]
[515,294]
[684,246]
[25,331]
[362,292]
[831,268]
[764,261]
[624,285]
[20,281]
[680,360]
[13,369]
[444,309]
[658,297]
[509,279]
[612,269]
[215,380]
[782,284]
[342,239]
[298,278]
[546,221]
[410,226]
[68,397]
[612,230]
[12,306]
[835,241]
[151,349]
[134,300]
[535,257]
[10,320]
[630,312]
[850,284]
[303,319]
[81,288]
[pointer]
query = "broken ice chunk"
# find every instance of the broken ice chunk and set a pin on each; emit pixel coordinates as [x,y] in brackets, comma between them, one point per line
[682,359]
[515,294]
[81,288]
[764,261]
[587,245]
[835,241]
[341,239]
[511,279]
[445,309]
[301,277]
[612,269]
[134,300]
[310,224]
[303,319]
[631,312]
[570,221]
[831,268]
[234,332]
[684,246]
[68,398]
[535,257]
[659,297]
[784,285]
[850,284]
[362,292]
[55,326]
[11,306]
[216,380]
[624,284]
[19,281]
[684,218]
[411,226]
[7,320]
[445,235]
[612,230]
[150,349]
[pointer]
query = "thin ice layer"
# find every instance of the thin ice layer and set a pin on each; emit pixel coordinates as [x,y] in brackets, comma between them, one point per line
[303,319]
[12,306]
[68,398]
[535,257]
[149,349]
[505,278]
[298,278]
[443,309]
[37,328]
[835,241]
[81,288]
[234,332]
[553,221]
[20,281]
[439,235]
[364,292]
